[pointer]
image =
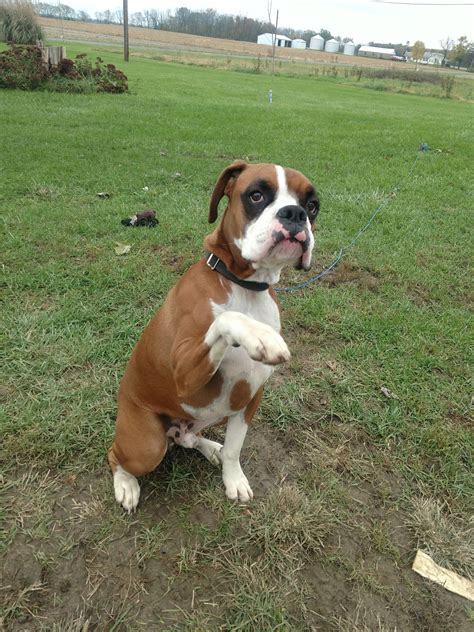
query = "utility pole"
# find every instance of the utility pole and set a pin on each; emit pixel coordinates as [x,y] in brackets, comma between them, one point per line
[125,30]
[269,8]
[274,44]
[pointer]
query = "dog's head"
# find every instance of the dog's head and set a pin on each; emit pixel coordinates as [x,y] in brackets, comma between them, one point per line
[269,218]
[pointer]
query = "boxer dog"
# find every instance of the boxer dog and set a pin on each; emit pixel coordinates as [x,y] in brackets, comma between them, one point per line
[205,356]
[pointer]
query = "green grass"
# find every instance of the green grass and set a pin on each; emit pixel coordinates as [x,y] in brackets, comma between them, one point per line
[430,81]
[351,464]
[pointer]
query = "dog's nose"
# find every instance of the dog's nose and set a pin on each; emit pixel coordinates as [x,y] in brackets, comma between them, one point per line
[292,213]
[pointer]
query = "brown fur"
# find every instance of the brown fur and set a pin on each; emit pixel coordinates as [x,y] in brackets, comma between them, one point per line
[170,364]
[168,367]
[240,395]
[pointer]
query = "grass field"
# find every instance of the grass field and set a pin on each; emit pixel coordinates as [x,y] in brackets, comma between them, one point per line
[348,482]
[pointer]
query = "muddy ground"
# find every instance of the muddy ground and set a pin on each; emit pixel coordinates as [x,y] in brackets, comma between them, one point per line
[77,562]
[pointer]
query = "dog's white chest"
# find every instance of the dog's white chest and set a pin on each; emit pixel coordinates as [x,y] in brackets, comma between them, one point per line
[236,365]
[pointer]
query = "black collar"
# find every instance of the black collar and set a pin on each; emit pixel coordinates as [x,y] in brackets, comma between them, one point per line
[216,264]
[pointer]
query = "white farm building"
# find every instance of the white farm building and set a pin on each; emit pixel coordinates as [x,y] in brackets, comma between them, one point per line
[316,42]
[281,40]
[435,59]
[332,46]
[376,52]
[298,43]
[349,48]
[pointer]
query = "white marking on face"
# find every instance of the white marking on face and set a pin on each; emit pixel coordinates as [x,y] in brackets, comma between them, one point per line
[258,241]
[282,184]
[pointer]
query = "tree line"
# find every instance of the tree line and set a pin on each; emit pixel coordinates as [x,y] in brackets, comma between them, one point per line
[209,23]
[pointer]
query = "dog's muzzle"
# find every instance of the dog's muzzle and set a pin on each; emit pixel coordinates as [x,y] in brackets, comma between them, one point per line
[291,226]
[293,220]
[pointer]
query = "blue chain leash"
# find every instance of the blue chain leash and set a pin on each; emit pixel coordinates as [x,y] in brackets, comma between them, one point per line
[423,148]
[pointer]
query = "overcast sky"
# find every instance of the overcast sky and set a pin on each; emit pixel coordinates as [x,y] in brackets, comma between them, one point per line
[363,20]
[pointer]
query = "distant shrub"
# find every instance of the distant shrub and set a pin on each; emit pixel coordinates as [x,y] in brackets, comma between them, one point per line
[447,83]
[398,73]
[22,67]
[107,77]
[19,24]
[257,65]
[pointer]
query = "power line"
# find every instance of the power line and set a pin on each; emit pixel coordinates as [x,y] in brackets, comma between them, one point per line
[430,4]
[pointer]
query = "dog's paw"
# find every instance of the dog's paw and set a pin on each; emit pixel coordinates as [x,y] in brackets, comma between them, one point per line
[237,486]
[211,450]
[127,490]
[265,345]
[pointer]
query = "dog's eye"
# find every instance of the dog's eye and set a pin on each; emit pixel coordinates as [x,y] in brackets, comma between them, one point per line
[256,197]
[312,208]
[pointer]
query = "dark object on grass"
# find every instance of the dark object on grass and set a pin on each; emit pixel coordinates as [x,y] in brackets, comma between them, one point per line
[103,195]
[145,218]
[423,147]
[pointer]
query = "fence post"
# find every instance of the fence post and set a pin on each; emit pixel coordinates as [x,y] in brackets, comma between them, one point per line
[53,55]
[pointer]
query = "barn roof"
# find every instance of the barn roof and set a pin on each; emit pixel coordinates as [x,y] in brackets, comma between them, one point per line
[377,49]
[281,37]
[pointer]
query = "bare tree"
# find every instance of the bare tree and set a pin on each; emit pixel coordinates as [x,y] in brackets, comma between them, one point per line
[137,19]
[155,18]
[446,46]
[269,8]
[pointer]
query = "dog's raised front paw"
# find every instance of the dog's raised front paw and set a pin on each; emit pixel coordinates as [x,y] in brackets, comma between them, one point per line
[267,346]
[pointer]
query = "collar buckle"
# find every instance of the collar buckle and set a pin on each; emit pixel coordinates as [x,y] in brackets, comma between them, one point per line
[212,264]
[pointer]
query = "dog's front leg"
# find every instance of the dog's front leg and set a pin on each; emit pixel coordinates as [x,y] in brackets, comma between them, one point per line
[236,484]
[261,341]
[196,359]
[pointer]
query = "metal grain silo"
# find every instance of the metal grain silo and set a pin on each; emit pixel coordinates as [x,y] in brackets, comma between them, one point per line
[349,48]
[298,43]
[332,46]
[317,42]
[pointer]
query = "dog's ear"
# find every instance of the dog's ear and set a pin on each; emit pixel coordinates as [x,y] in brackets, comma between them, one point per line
[224,186]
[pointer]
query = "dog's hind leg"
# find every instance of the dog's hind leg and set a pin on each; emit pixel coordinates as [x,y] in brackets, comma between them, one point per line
[139,447]
[182,436]
[210,449]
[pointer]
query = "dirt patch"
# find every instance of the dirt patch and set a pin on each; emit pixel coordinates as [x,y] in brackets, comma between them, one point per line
[420,295]
[460,420]
[169,258]
[74,556]
[363,578]
[345,273]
